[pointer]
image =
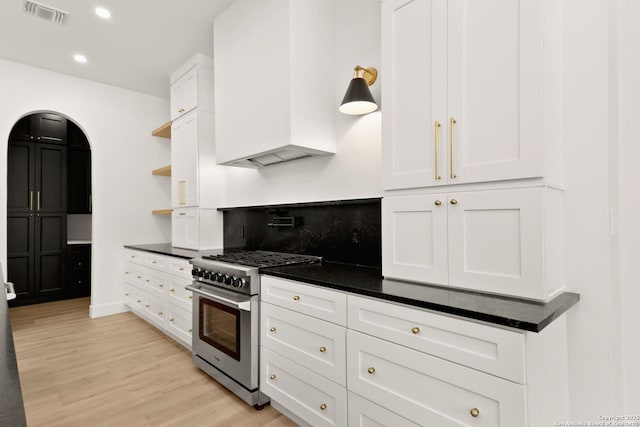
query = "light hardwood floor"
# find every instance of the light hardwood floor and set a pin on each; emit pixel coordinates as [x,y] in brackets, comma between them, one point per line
[116,371]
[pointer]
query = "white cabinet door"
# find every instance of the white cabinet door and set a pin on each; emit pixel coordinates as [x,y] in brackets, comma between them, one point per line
[414,238]
[414,89]
[184,94]
[495,89]
[180,323]
[429,390]
[365,413]
[184,161]
[178,295]
[496,242]
[185,226]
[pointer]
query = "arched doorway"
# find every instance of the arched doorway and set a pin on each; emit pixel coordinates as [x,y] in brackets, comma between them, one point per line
[48,209]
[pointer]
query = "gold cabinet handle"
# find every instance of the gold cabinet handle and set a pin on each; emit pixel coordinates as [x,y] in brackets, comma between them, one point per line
[172,290]
[126,272]
[190,330]
[146,306]
[437,144]
[133,256]
[139,301]
[139,277]
[415,330]
[30,200]
[474,412]
[146,281]
[38,200]
[160,313]
[180,110]
[190,296]
[181,269]
[454,202]
[323,349]
[154,262]
[126,295]
[452,122]
[273,329]
[182,214]
[161,285]
[273,376]
[172,319]
[296,298]
[371,370]
[323,406]
[181,193]
[437,202]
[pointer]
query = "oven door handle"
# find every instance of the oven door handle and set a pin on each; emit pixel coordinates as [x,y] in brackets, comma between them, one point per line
[244,305]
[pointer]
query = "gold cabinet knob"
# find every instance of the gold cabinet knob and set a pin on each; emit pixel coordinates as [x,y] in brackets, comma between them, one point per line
[323,407]
[138,301]
[133,256]
[273,376]
[323,349]
[190,330]
[126,295]
[296,298]
[160,313]
[437,202]
[172,290]
[181,269]
[146,305]
[147,281]
[154,262]
[172,319]
[273,329]
[474,412]
[180,110]
[190,296]
[126,272]
[139,277]
[415,330]
[454,202]
[161,285]
[371,370]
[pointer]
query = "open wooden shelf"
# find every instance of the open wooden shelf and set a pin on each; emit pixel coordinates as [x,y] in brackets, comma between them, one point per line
[163,131]
[162,211]
[163,171]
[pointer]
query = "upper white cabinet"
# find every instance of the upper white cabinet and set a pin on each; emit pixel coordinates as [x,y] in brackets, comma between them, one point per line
[469,91]
[184,160]
[274,86]
[192,86]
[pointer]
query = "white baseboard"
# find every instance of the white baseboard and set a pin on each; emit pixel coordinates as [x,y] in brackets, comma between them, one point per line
[107,309]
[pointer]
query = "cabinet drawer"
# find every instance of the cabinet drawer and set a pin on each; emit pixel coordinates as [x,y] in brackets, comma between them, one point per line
[315,344]
[134,274]
[133,298]
[180,267]
[138,257]
[429,390]
[179,323]
[178,295]
[155,283]
[310,396]
[154,309]
[493,350]
[157,262]
[365,413]
[317,302]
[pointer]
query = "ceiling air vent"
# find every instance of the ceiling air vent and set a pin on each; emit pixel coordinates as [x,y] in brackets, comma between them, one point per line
[48,13]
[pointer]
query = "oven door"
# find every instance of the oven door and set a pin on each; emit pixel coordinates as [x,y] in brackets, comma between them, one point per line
[225,332]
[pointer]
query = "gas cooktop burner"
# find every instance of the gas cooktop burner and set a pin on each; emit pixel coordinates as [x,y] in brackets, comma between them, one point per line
[263,258]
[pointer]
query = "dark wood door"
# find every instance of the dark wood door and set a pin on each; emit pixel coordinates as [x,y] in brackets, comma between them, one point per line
[21,176]
[79,270]
[50,128]
[21,253]
[51,178]
[79,181]
[51,247]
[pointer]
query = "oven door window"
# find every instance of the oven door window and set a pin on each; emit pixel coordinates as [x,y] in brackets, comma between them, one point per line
[220,327]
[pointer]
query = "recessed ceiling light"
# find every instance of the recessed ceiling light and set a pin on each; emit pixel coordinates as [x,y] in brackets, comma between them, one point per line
[80,58]
[103,13]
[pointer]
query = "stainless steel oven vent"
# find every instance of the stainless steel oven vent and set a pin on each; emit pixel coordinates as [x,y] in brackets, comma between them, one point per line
[43,11]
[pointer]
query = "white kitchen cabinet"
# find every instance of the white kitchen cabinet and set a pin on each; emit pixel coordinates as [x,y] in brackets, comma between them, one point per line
[154,289]
[192,86]
[194,228]
[471,92]
[274,97]
[429,390]
[365,413]
[506,242]
[184,161]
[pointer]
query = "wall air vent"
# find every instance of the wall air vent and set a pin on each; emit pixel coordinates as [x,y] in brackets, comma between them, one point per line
[45,12]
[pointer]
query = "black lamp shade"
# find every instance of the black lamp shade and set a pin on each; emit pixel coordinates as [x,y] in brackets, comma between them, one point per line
[358,99]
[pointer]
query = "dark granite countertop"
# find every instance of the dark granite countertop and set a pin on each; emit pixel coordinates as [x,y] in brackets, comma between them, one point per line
[11,405]
[167,249]
[506,311]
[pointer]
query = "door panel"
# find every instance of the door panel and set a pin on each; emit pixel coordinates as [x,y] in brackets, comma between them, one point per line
[51,128]
[495,88]
[51,177]
[51,247]
[20,176]
[21,252]
[414,84]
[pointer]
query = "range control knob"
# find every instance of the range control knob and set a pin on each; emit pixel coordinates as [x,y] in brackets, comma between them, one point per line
[207,275]
[200,273]
[195,271]
[228,279]
[214,276]
[238,282]
[220,278]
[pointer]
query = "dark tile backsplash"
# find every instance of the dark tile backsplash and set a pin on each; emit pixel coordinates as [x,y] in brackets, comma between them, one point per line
[345,231]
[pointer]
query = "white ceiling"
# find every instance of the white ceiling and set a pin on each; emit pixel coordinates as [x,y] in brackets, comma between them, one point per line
[142,43]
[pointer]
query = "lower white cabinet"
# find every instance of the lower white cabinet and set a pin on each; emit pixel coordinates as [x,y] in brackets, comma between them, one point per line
[154,289]
[504,241]
[365,413]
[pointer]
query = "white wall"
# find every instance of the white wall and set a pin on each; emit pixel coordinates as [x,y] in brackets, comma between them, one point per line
[118,124]
[354,171]
[629,201]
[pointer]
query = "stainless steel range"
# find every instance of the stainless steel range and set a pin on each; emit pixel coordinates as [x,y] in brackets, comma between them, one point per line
[226,317]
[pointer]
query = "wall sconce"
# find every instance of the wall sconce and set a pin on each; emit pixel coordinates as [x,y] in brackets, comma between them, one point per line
[358,99]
